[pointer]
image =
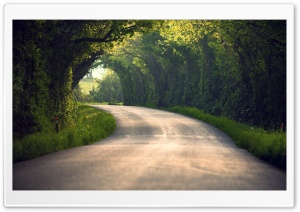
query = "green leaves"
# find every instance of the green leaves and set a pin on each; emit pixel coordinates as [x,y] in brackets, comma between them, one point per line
[225,67]
[109,89]
[235,68]
[50,58]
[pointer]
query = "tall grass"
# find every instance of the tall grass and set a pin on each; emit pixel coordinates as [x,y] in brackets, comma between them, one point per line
[91,125]
[269,146]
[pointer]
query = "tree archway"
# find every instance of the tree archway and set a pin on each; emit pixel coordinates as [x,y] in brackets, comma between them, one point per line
[231,68]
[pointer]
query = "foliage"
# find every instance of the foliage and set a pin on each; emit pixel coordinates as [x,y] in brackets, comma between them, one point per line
[227,68]
[87,85]
[109,89]
[80,93]
[31,94]
[50,57]
[269,146]
[91,125]
[236,69]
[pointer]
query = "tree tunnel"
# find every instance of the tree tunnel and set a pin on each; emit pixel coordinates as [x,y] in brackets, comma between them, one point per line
[104,88]
[234,68]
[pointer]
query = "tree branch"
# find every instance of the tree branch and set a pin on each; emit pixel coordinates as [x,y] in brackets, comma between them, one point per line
[99,40]
[82,69]
[263,34]
[132,54]
[106,39]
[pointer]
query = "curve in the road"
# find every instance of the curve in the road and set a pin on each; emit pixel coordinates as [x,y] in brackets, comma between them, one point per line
[151,150]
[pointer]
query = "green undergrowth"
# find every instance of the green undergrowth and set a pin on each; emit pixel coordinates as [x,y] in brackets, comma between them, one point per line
[269,146]
[91,125]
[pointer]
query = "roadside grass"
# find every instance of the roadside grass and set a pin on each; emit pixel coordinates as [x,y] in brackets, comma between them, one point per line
[91,125]
[268,146]
[102,103]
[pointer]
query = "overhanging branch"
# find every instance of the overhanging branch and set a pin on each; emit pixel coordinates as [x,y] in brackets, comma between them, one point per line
[81,70]
[99,40]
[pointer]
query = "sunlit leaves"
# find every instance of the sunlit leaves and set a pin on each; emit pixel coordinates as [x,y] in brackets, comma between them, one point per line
[226,67]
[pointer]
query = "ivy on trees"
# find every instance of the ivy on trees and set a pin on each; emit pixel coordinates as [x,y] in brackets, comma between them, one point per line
[49,59]
[230,68]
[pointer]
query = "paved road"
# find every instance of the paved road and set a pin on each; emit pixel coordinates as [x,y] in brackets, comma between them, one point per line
[151,150]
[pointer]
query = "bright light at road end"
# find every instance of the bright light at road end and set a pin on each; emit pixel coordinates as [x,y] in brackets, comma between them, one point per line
[97,73]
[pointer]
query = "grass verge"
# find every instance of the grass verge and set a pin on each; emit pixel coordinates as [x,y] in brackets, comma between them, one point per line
[269,146]
[91,125]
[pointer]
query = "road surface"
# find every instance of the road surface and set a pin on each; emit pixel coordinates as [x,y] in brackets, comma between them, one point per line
[151,150]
